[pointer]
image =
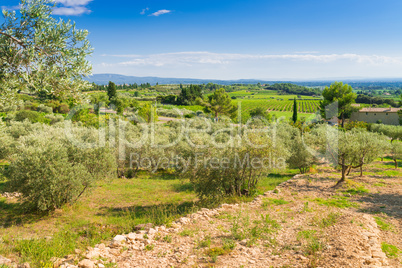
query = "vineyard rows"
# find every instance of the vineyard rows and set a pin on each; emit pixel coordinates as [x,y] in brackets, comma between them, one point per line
[304,106]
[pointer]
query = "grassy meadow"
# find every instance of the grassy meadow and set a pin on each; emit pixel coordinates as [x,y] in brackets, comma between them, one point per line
[110,209]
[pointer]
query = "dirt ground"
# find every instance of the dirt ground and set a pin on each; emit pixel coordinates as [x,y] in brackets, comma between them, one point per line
[304,222]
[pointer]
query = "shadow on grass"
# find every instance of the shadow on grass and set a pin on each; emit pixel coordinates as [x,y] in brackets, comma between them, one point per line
[14,214]
[160,175]
[155,214]
[183,187]
[388,203]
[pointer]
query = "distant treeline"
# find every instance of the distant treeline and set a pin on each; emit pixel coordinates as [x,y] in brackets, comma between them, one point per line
[96,87]
[187,96]
[376,100]
[289,88]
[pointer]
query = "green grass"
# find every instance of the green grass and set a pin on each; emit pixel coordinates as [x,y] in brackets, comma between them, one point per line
[390,250]
[272,201]
[360,190]
[336,201]
[330,220]
[311,244]
[383,225]
[110,209]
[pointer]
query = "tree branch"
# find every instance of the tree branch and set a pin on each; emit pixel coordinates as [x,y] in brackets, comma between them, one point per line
[19,42]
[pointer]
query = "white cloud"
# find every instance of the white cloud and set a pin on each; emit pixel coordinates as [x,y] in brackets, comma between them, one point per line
[144,11]
[160,12]
[70,3]
[280,67]
[71,11]
[71,7]
[201,57]
[11,8]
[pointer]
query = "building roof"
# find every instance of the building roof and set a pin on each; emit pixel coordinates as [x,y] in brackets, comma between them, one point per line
[380,110]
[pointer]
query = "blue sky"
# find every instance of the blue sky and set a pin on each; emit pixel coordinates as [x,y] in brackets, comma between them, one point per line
[222,39]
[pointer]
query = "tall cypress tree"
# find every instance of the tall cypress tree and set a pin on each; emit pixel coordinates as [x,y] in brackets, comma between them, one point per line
[294,117]
[111,90]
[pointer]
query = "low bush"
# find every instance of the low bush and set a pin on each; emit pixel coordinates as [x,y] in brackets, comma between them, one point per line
[50,172]
[44,109]
[32,116]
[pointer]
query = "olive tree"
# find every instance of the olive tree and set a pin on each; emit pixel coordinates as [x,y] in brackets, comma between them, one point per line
[51,170]
[41,54]
[396,152]
[393,132]
[347,149]
[300,156]
[224,170]
[6,141]
[368,147]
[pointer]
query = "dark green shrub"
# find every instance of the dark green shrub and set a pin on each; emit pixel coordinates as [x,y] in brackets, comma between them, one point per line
[50,173]
[32,116]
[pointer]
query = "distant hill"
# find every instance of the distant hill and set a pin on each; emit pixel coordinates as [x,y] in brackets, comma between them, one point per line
[103,79]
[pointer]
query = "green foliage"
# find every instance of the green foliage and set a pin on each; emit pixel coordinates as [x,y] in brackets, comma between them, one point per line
[294,89]
[188,95]
[393,132]
[300,158]
[230,170]
[355,124]
[396,152]
[44,109]
[32,116]
[84,116]
[340,93]
[148,113]
[260,112]
[53,62]
[122,103]
[50,171]
[219,103]
[111,90]
[294,117]
[348,149]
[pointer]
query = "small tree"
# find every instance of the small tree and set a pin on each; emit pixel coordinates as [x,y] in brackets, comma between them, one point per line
[294,117]
[340,93]
[300,157]
[261,113]
[396,152]
[50,173]
[148,113]
[351,149]
[218,103]
[393,132]
[111,90]
[368,147]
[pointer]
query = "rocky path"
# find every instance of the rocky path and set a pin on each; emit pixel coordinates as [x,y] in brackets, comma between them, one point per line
[303,223]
